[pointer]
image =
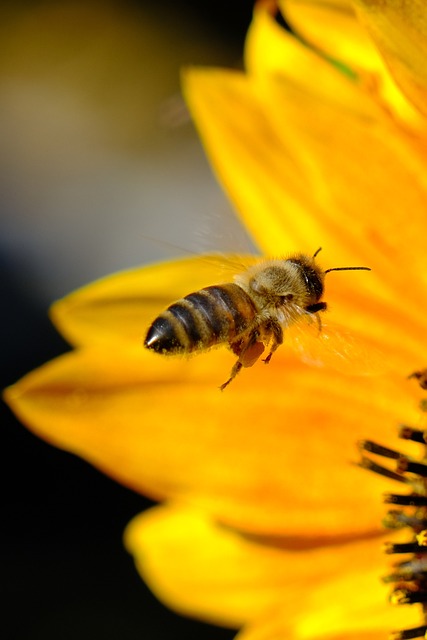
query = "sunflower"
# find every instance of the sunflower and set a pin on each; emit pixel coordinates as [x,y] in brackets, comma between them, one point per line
[264,523]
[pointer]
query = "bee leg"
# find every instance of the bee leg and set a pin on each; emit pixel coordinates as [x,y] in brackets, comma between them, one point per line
[248,353]
[276,330]
[235,370]
[319,322]
[314,310]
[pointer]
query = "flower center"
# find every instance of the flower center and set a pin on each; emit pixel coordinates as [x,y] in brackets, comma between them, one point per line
[409,576]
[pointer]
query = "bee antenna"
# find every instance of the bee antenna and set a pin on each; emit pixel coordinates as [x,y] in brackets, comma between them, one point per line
[347,269]
[316,252]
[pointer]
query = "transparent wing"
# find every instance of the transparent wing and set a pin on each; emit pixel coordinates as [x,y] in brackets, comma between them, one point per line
[326,343]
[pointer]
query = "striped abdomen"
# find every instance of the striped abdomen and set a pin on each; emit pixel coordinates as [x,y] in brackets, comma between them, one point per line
[202,319]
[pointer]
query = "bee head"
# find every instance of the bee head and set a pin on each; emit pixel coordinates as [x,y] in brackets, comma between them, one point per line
[295,281]
[313,277]
[310,276]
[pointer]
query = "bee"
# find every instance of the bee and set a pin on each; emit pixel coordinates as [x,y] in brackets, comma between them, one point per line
[248,314]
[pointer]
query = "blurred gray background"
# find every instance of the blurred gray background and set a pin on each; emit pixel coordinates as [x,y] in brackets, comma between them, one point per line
[100,170]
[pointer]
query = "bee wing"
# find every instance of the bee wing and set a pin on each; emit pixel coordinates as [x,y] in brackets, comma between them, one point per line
[228,265]
[225,265]
[321,343]
[193,273]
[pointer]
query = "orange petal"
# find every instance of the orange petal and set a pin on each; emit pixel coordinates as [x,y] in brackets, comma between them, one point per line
[354,185]
[348,152]
[270,454]
[367,180]
[121,307]
[400,31]
[369,323]
[203,569]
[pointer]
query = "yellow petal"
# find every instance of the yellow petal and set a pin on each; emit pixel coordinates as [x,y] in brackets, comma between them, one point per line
[203,569]
[272,51]
[332,27]
[121,307]
[274,628]
[400,31]
[350,71]
[161,426]
[351,607]
[260,176]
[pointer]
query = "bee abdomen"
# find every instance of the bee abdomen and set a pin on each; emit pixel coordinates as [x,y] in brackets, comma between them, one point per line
[200,320]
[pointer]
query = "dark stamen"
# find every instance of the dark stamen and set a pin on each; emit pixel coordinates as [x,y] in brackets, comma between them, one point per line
[408,433]
[409,573]
[405,596]
[408,634]
[411,500]
[370,465]
[379,450]
[403,547]
[405,465]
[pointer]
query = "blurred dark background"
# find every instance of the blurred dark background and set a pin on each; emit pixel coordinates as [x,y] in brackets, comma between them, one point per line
[97,158]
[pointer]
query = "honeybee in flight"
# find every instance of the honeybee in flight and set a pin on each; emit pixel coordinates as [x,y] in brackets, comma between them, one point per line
[247,314]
